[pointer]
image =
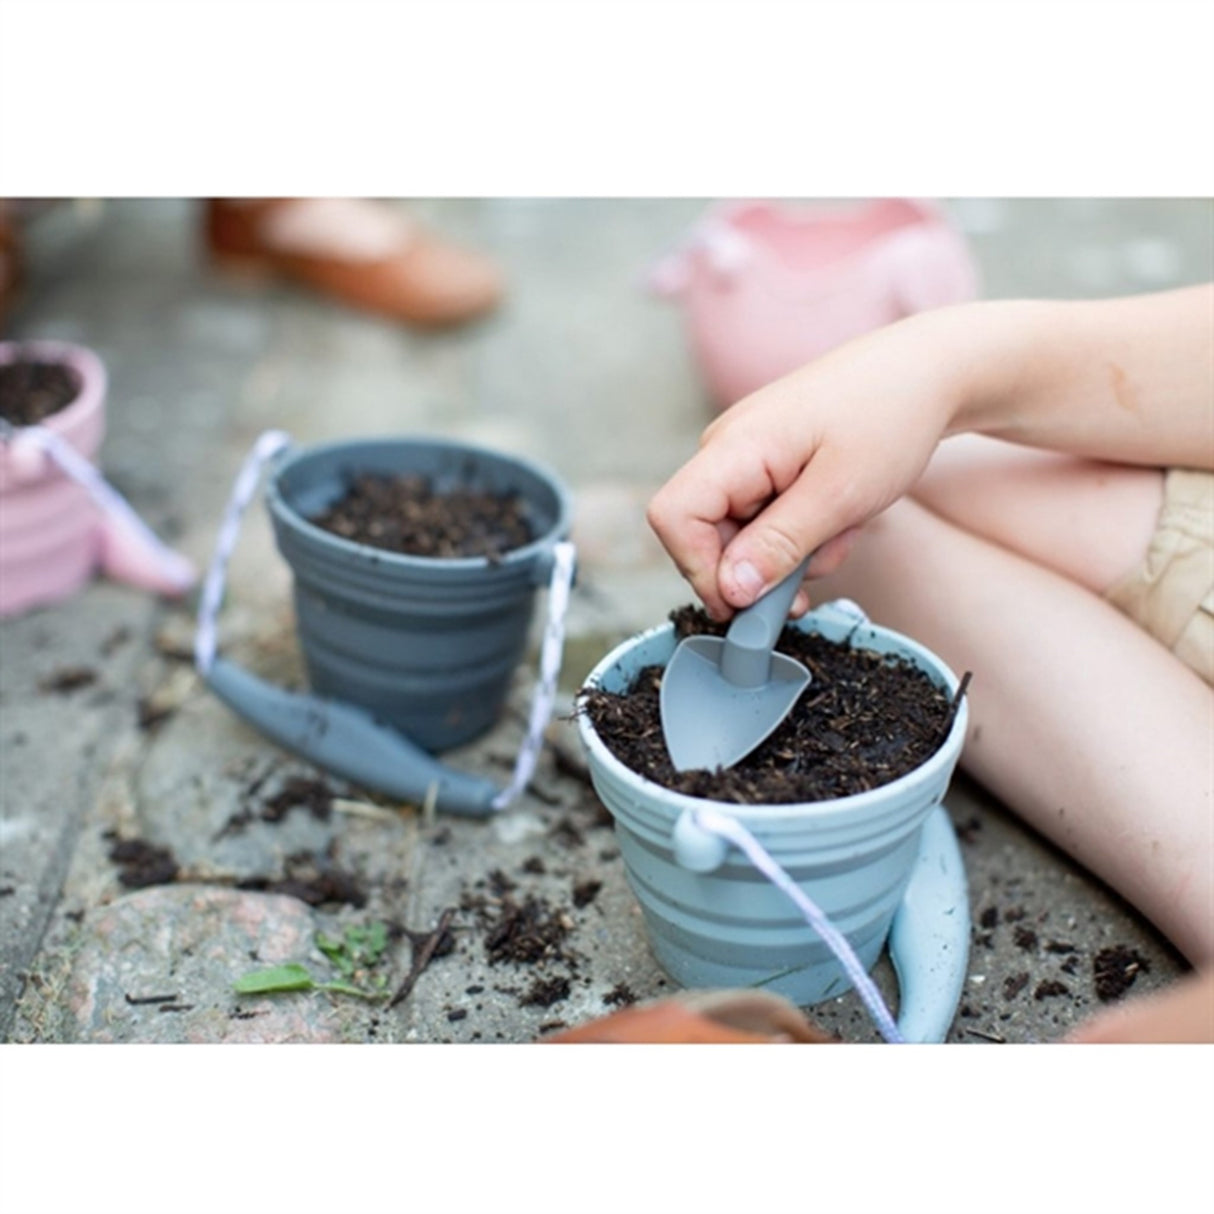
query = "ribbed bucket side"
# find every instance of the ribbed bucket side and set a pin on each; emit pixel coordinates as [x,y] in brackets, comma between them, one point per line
[853,856]
[427,645]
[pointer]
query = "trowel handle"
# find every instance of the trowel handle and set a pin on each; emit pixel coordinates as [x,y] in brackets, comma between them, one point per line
[929,940]
[746,658]
[348,742]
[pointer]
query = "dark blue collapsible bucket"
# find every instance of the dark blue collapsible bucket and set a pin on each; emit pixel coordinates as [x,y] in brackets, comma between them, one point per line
[404,654]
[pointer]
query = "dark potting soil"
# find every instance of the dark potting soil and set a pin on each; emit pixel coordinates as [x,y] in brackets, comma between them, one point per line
[32,389]
[405,514]
[865,719]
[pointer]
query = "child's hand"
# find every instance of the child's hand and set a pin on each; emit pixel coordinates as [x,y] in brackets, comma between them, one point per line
[798,466]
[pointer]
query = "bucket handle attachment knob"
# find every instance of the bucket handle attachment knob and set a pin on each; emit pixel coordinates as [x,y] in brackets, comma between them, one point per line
[696,849]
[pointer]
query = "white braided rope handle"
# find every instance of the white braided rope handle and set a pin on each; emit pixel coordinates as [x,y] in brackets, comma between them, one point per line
[205,637]
[727,827]
[176,570]
[551,651]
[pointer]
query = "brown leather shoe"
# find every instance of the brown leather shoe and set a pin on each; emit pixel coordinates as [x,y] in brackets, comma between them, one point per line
[362,253]
[700,1018]
[11,264]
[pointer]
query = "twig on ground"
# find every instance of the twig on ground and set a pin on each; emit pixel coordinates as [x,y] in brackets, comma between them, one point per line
[424,945]
[987,1036]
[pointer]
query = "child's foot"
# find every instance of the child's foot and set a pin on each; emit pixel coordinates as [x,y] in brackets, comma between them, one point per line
[10,263]
[364,253]
[700,1018]
[1183,1013]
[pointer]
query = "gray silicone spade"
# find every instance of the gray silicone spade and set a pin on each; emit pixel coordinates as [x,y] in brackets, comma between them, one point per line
[721,697]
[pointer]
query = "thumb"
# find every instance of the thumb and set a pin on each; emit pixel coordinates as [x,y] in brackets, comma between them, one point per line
[803,519]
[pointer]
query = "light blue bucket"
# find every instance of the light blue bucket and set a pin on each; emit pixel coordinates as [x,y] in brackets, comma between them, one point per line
[878,861]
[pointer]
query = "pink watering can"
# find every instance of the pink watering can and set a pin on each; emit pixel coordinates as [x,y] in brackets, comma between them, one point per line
[60,520]
[767,287]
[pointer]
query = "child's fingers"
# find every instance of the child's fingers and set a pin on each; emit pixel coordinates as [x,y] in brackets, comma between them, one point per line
[815,512]
[695,514]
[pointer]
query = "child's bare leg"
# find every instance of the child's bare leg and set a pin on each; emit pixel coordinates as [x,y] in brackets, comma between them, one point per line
[1089,520]
[1080,722]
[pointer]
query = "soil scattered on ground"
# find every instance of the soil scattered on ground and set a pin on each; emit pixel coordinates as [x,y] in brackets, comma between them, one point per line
[585,892]
[142,863]
[33,389]
[1115,969]
[311,880]
[530,932]
[1050,988]
[300,792]
[544,992]
[68,678]
[1013,985]
[406,514]
[865,720]
[1025,938]
[620,995]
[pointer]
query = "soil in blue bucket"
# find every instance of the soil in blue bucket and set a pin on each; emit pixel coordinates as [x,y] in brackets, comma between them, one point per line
[405,513]
[866,719]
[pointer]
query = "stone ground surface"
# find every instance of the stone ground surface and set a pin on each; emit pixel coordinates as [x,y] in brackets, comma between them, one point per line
[581,370]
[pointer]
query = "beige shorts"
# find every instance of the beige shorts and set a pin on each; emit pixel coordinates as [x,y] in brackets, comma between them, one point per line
[1171,594]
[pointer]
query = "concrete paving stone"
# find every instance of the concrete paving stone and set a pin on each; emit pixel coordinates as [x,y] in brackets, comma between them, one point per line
[580,369]
[190,943]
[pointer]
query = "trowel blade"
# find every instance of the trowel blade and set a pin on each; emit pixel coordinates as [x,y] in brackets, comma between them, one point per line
[709,722]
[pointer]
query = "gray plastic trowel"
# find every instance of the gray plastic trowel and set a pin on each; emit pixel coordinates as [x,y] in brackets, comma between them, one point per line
[721,697]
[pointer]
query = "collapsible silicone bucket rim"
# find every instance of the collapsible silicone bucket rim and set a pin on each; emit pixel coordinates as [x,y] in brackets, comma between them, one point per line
[288,515]
[677,803]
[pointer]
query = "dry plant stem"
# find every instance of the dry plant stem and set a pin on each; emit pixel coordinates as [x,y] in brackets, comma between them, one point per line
[424,946]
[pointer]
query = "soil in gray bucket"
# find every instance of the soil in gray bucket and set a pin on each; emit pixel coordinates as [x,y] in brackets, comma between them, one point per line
[865,719]
[406,514]
[32,389]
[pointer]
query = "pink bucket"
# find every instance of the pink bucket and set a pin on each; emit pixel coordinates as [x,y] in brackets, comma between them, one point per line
[53,533]
[766,288]
[49,529]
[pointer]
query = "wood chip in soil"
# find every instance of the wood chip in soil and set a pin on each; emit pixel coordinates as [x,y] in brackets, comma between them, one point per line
[32,389]
[865,719]
[407,514]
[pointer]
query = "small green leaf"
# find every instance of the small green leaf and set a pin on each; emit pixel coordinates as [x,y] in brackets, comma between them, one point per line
[377,941]
[289,977]
[331,948]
